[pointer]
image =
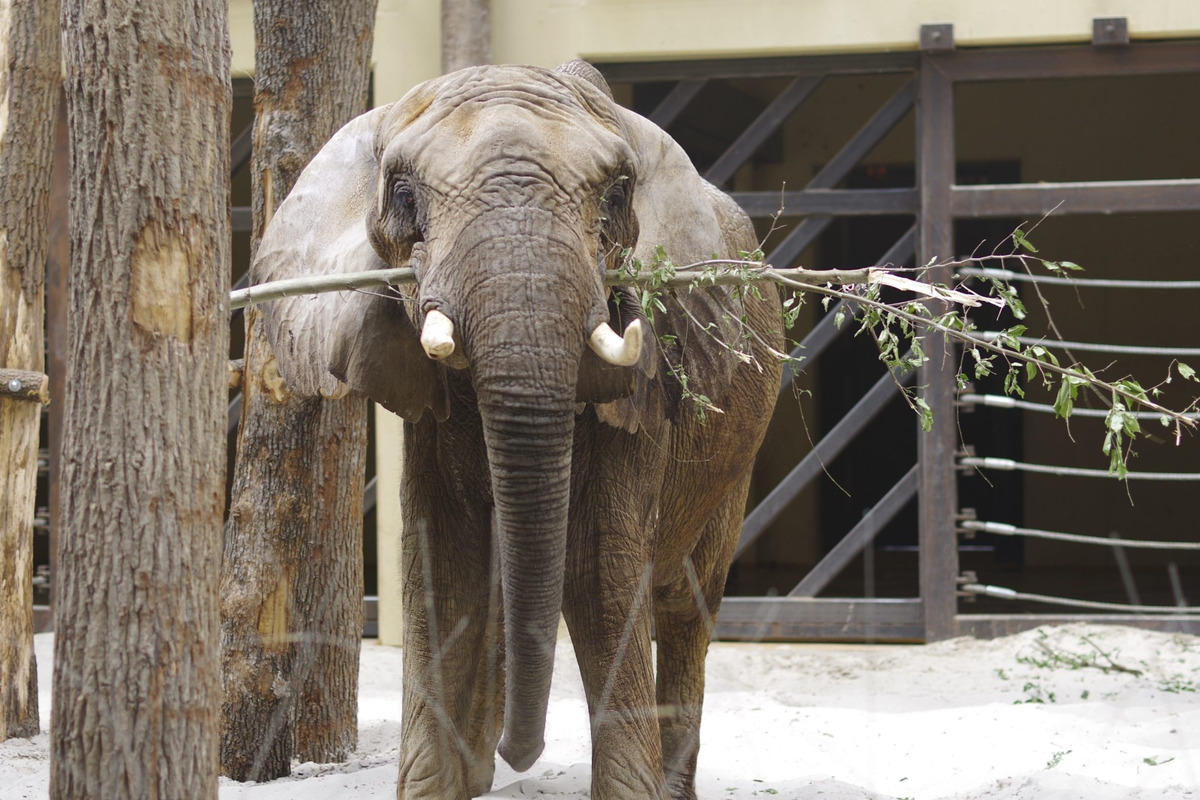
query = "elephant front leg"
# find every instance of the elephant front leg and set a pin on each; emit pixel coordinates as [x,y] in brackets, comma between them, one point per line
[453,672]
[609,620]
[453,645]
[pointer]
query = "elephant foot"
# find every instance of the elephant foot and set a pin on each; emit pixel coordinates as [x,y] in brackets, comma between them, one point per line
[480,775]
[430,777]
[680,788]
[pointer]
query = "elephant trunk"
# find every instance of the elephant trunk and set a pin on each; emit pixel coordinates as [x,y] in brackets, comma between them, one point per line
[524,365]
[529,447]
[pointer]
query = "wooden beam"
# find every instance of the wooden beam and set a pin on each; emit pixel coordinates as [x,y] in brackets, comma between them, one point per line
[866,138]
[825,451]
[859,537]
[819,196]
[671,106]
[835,202]
[990,626]
[1071,61]
[1083,197]
[792,66]
[781,619]
[761,129]
[798,239]
[935,448]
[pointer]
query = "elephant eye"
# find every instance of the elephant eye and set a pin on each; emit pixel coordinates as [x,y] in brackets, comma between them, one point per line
[615,198]
[402,196]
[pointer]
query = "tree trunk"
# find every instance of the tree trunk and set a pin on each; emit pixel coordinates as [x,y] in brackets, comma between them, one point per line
[466,33]
[136,677]
[292,582]
[29,86]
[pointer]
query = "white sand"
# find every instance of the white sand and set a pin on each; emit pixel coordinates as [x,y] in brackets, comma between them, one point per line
[950,720]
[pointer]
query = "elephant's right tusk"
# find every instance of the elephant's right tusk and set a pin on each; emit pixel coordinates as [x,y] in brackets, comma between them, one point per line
[437,335]
[615,349]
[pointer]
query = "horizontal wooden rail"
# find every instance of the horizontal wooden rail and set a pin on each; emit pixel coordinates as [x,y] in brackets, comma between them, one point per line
[759,619]
[1084,197]
[20,384]
[1068,61]
[837,64]
[835,202]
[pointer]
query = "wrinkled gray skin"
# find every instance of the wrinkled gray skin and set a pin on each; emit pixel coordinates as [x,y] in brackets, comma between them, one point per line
[538,478]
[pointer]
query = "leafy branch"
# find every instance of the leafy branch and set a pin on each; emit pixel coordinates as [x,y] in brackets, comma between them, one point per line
[897,328]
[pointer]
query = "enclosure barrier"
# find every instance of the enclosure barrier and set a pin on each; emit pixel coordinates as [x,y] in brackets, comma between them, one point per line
[1089,347]
[1004,529]
[970,526]
[1009,465]
[1004,401]
[1129,608]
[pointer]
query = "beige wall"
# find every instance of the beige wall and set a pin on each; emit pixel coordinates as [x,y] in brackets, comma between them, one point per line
[547,32]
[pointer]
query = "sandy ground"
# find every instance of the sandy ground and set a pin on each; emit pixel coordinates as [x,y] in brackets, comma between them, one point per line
[1031,716]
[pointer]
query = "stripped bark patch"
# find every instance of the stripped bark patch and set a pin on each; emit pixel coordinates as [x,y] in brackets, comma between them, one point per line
[161,284]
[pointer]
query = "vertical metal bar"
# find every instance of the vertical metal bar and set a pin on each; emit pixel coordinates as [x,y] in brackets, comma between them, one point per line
[58,264]
[935,448]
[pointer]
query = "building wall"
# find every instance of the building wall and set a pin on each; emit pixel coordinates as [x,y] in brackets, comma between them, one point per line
[548,32]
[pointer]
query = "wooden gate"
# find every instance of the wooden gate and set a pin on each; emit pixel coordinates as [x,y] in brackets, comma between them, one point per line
[934,202]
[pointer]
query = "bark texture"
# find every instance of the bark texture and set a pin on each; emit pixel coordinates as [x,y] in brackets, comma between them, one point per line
[291,583]
[136,678]
[466,34]
[29,86]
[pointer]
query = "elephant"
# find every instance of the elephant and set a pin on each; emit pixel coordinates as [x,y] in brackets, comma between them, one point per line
[557,454]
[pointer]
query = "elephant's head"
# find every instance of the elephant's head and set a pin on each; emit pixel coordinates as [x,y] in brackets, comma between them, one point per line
[508,190]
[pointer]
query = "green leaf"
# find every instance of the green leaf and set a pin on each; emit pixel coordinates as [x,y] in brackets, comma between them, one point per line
[1068,391]
[926,414]
[1018,237]
[1012,384]
[1186,372]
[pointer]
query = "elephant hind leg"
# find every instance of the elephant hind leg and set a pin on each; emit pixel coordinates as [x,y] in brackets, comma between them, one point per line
[684,615]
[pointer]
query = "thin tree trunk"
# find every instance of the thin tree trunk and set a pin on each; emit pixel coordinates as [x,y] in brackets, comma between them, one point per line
[136,677]
[29,86]
[466,33]
[292,581]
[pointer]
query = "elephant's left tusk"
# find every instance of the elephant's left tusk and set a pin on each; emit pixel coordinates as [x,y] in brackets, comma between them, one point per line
[620,351]
[437,335]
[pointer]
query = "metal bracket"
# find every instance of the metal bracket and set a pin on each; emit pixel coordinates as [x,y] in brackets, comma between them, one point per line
[1110,31]
[937,37]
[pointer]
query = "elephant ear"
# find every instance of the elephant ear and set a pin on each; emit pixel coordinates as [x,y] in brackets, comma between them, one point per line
[361,340]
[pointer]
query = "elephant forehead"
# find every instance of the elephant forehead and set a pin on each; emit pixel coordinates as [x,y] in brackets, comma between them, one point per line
[473,129]
[573,148]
